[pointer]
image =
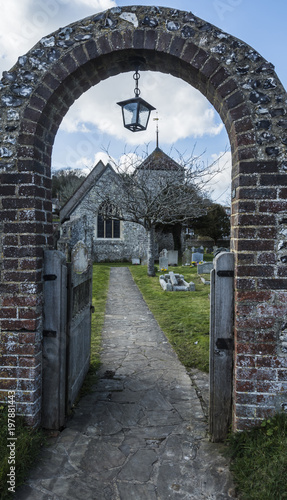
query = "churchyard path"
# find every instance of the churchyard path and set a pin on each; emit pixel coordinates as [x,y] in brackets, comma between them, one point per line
[142,433]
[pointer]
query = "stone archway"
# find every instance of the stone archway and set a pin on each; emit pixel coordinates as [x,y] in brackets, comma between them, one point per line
[36,94]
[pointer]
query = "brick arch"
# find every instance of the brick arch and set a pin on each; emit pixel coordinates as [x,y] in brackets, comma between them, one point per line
[36,94]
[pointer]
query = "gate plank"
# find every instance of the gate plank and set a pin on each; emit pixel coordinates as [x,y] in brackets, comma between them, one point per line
[221,346]
[54,340]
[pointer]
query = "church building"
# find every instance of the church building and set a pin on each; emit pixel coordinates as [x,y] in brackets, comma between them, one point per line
[108,238]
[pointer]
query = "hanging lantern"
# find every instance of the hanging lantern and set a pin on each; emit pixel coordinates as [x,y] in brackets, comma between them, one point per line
[136,111]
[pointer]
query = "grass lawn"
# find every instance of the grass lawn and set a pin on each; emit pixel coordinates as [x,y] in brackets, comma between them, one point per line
[183,316]
[259,460]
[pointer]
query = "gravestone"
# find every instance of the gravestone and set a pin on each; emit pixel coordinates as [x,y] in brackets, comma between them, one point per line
[205,268]
[80,257]
[186,257]
[196,257]
[163,263]
[173,279]
[163,253]
[172,282]
[172,256]
[219,250]
[136,262]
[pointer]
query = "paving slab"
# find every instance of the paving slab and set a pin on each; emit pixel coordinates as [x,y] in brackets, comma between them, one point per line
[142,433]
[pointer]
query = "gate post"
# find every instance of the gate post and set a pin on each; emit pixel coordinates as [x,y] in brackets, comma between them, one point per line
[221,346]
[54,340]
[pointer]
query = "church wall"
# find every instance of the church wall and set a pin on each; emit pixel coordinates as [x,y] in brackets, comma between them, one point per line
[132,242]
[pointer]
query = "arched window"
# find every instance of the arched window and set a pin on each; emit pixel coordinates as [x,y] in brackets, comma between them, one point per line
[107,225]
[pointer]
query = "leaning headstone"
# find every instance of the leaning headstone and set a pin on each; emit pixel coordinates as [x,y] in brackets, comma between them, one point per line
[80,257]
[186,257]
[173,279]
[197,257]
[172,256]
[204,268]
[163,263]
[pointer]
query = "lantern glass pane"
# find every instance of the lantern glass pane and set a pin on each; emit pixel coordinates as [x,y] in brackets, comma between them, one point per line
[143,115]
[130,113]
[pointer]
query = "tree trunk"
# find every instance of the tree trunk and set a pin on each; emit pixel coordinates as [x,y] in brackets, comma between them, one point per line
[150,251]
[176,234]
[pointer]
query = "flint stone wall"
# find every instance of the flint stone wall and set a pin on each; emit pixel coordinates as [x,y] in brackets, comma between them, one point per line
[133,240]
[245,90]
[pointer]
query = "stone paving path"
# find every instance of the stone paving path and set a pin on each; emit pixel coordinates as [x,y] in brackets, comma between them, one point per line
[142,433]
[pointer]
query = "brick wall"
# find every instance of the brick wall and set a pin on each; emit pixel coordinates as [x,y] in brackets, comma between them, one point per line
[245,90]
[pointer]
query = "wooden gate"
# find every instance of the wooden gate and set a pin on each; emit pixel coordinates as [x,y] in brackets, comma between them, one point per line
[66,336]
[221,346]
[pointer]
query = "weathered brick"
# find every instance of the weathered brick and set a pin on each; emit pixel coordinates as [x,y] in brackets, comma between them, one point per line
[245,284]
[200,59]
[282,375]
[176,47]
[219,77]
[150,40]
[64,68]
[244,206]
[272,284]
[228,87]
[273,180]
[254,271]
[282,194]
[254,245]
[256,220]
[246,258]
[138,38]
[189,52]
[244,232]
[257,193]
[254,348]
[273,206]
[245,385]
[6,361]
[267,258]
[245,361]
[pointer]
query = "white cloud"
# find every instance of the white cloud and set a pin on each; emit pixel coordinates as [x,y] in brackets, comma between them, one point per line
[182,110]
[23,23]
[220,185]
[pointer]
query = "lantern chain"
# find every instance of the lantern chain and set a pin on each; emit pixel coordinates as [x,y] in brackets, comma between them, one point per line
[136,77]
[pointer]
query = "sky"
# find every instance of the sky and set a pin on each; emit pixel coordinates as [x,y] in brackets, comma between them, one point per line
[92,129]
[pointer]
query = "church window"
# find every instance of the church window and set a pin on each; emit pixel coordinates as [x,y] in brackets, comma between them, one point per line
[107,225]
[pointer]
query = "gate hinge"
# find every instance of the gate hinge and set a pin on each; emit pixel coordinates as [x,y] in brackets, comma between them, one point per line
[226,344]
[49,277]
[49,333]
[225,274]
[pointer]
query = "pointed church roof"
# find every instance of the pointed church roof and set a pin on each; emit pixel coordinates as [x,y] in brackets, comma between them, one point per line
[158,160]
[82,190]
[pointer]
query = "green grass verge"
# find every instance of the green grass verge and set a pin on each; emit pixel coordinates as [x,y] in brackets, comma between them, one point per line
[101,274]
[29,441]
[259,460]
[183,316]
